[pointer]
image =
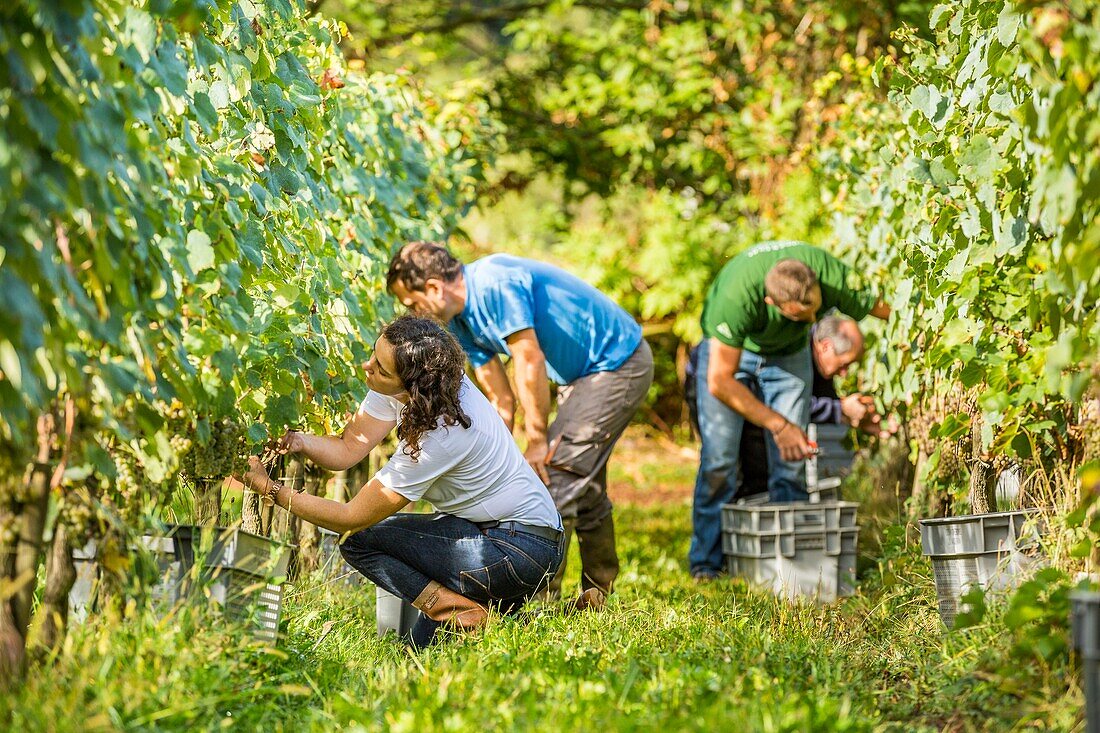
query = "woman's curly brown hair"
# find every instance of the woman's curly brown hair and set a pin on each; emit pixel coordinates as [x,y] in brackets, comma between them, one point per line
[430,363]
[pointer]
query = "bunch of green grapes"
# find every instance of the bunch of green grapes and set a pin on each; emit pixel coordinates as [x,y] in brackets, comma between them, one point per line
[951,459]
[128,492]
[222,454]
[180,429]
[14,486]
[77,512]
[10,468]
[218,457]
[127,470]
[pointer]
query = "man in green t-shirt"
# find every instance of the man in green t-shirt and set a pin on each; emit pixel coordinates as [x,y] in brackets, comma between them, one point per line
[755,363]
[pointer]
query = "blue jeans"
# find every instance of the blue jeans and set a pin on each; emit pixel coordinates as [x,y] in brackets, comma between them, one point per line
[495,567]
[782,383]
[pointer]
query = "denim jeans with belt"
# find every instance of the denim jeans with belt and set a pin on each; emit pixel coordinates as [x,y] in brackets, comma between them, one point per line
[783,383]
[495,567]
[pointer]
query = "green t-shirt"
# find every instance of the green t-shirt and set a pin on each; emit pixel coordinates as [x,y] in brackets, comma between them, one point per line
[735,312]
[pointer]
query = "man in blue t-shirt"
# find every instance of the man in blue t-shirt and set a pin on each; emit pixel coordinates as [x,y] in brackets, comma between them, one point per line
[556,328]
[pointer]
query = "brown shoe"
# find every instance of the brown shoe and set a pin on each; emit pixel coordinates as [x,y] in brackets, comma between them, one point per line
[592,599]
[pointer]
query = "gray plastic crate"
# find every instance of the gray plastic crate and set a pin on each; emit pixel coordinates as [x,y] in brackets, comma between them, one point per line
[788,516]
[833,460]
[832,542]
[1085,618]
[242,572]
[166,590]
[394,614]
[975,533]
[992,551]
[82,596]
[333,565]
[795,549]
[815,573]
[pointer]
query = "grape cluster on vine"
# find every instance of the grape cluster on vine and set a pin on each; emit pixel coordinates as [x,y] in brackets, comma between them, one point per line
[222,454]
[77,512]
[129,475]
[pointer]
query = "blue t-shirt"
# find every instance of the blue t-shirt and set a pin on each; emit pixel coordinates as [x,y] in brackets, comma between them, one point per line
[580,330]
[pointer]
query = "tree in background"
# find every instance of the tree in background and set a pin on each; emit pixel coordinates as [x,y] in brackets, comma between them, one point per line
[671,134]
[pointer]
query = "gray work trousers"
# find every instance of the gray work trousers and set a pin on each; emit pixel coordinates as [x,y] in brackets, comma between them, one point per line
[593,411]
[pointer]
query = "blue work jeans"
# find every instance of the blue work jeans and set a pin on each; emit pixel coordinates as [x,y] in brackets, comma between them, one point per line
[782,383]
[496,567]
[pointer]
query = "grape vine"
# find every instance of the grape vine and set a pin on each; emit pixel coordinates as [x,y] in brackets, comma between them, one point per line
[972,190]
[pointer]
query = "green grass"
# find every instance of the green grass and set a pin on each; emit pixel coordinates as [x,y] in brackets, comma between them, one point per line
[667,654]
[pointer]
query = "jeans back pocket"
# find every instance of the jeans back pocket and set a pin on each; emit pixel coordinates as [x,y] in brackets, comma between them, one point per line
[494,582]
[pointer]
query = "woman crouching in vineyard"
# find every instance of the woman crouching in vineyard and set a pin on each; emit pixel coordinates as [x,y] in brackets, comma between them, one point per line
[497,537]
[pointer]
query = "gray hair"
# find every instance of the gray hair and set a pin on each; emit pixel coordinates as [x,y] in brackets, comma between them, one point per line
[829,329]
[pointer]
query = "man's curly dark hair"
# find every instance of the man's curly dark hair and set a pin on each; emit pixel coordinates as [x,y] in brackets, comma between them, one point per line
[430,363]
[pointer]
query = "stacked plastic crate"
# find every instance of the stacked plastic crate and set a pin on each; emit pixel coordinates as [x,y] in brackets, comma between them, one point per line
[164,593]
[242,572]
[799,549]
[393,613]
[794,549]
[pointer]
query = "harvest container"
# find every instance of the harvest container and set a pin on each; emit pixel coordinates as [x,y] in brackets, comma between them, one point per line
[793,549]
[820,565]
[788,516]
[240,571]
[394,614]
[1086,640]
[992,551]
[83,594]
[760,544]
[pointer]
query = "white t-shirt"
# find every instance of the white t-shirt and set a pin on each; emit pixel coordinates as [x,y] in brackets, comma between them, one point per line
[476,473]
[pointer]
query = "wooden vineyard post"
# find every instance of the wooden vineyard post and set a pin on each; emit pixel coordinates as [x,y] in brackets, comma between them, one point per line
[251,516]
[266,510]
[983,477]
[340,486]
[284,525]
[357,476]
[208,501]
[12,647]
[32,521]
[308,537]
[19,564]
[53,614]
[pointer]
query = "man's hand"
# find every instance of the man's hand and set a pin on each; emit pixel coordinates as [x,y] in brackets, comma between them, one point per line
[858,408]
[874,425]
[291,442]
[793,444]
[536,455]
